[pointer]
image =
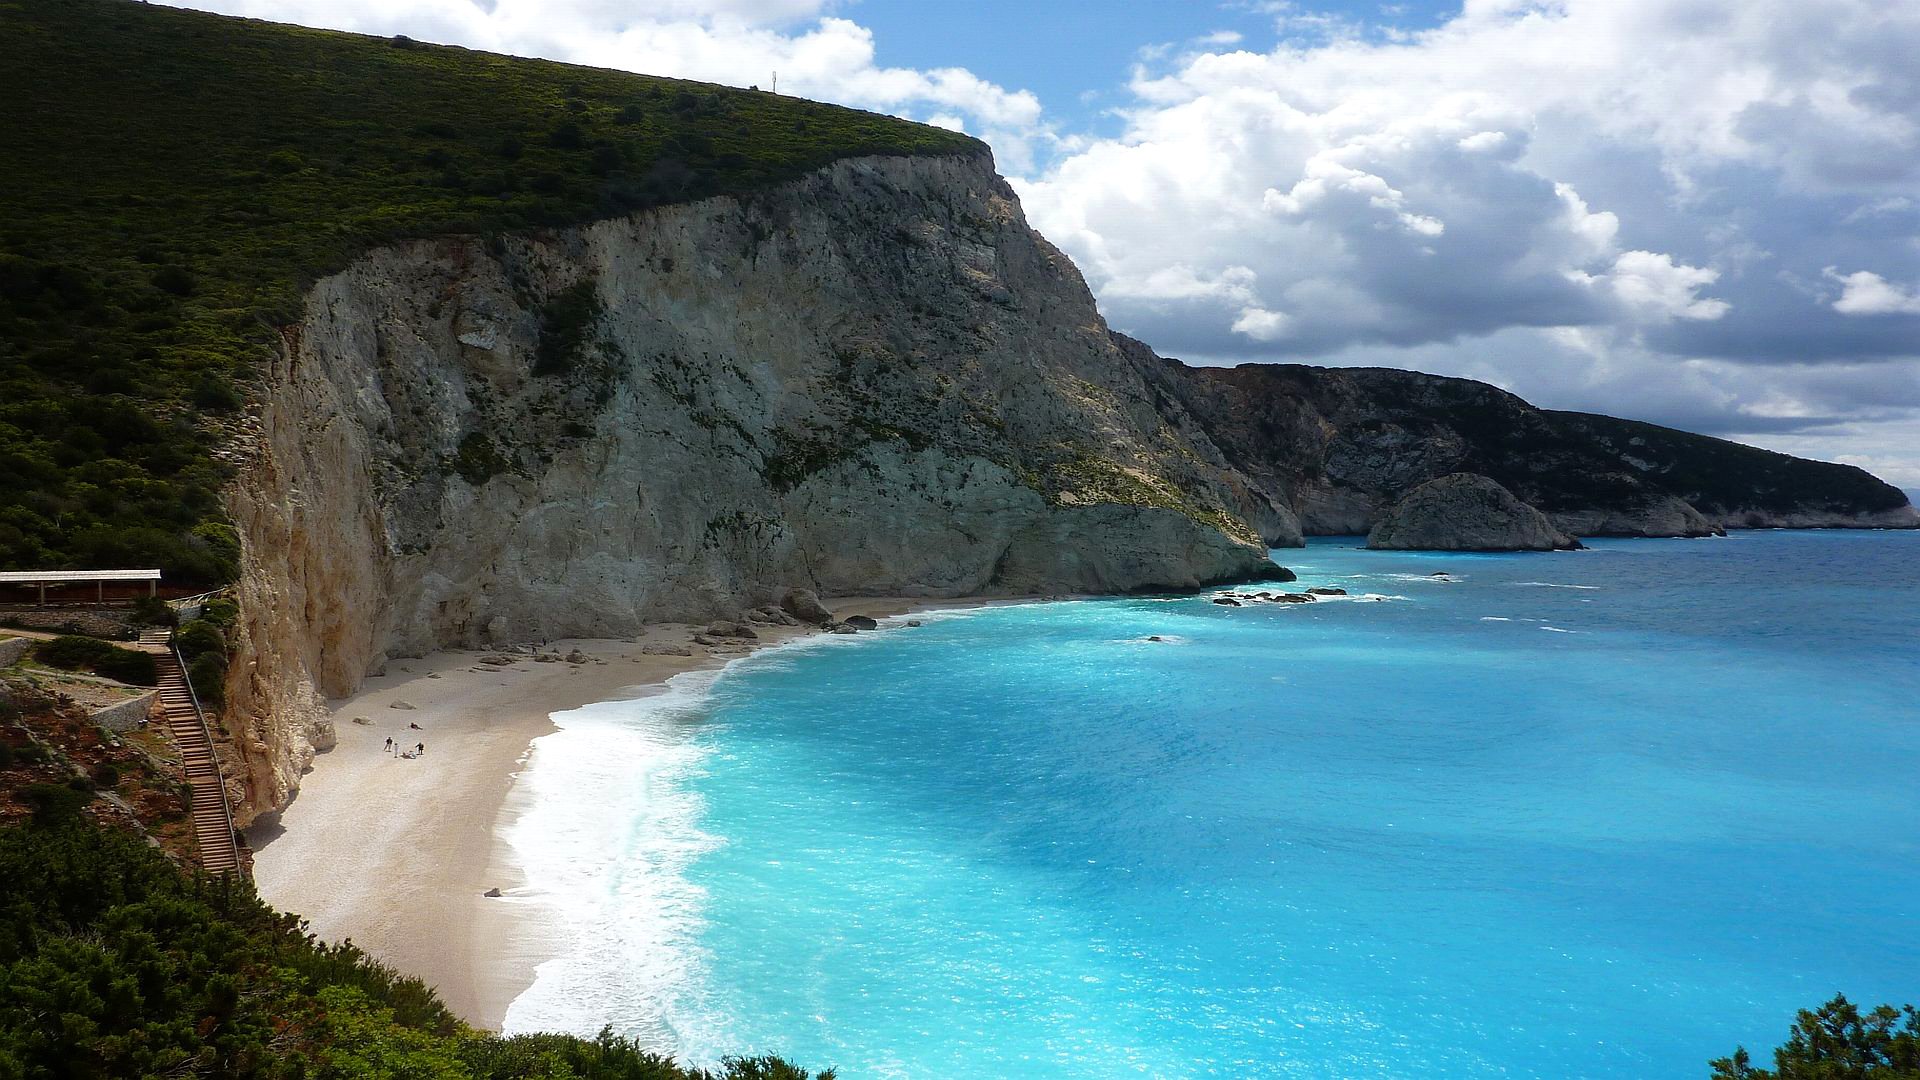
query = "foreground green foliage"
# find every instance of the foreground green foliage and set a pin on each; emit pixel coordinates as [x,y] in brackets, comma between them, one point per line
[175,180]
[1839,1042]
[76,653]
[115,964]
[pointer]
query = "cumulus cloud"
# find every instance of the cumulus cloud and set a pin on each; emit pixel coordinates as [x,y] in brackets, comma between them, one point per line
[1866,293]
[1618,204]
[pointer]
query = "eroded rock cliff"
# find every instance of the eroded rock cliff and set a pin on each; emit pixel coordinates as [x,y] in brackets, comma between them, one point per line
[1339,446]
[874,380]
[1465,512]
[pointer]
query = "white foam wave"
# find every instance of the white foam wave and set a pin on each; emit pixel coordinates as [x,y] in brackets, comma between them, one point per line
[1559,630]
[1556,585]
[604,831]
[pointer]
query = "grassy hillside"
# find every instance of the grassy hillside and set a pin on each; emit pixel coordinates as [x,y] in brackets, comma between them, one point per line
[174,180]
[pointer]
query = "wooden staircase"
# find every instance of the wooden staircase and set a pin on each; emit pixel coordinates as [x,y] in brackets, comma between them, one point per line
[212,819]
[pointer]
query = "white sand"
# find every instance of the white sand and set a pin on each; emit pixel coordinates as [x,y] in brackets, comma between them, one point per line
[397,854]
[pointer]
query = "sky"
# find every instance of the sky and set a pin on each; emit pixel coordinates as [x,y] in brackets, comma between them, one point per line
[1703,213]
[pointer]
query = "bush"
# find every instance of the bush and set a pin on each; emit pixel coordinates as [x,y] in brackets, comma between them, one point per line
[199,637]
[75,653]
[221,612]
[209,676]
[215,394]
[54,803]
[106,775]
[153,611]
[565,325]
[174,279]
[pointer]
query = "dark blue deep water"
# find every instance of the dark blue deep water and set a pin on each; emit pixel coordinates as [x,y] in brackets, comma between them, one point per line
[1602,813]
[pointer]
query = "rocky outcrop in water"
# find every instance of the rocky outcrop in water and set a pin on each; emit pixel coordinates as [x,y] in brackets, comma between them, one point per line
[1465,512]
[1338,446]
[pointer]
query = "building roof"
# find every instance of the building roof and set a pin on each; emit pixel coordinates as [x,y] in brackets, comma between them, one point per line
[55,577]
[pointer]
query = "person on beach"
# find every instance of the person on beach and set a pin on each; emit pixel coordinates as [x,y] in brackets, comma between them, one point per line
[389,744]
[420,749]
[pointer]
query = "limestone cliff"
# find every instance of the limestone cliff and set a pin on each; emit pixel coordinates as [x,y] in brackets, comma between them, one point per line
[876,379]
[1338,446]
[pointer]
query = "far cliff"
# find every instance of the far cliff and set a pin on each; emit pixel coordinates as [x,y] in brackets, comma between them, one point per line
[1327,451]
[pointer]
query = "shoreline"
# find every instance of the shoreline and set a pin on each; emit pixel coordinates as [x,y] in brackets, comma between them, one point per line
[397,854]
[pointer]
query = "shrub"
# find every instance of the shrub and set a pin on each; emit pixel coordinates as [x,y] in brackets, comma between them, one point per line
[221,612]
[565,323]
[106,775]
[75,653]
[153,611]
[6,756]
[209,676]
[54,803]
[174,279]
[199,637]
[478,461]
[215,394]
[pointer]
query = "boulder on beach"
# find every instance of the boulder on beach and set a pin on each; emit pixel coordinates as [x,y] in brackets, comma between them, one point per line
[1466,512]
[842,628]
[804,605]
[491,892]
[862,622]
[661,649]
[727,628]
[404,706]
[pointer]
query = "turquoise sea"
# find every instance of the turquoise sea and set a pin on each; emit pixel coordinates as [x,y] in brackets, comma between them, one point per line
[1586,814]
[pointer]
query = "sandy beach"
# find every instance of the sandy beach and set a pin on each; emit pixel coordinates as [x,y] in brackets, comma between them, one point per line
[398,853]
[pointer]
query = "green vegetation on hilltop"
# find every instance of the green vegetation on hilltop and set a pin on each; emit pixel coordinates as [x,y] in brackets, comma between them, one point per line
[175,181]
[113,963]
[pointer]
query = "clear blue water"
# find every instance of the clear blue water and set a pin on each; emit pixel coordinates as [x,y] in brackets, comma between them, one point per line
[1601,813]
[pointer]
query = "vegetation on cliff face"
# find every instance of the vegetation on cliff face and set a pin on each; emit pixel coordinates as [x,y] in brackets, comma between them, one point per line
[175,180]
[114,963]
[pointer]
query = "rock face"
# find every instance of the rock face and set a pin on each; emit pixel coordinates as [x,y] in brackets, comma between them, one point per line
[876,379]
[1338,446]
[1466,512]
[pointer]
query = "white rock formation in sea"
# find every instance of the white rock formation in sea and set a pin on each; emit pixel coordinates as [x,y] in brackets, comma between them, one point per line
[1465,512]
[876,379]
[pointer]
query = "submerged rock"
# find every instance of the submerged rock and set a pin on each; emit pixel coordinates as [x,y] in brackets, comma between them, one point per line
[1466,512]
[1323,590]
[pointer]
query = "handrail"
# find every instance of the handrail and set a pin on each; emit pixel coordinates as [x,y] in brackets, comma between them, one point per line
[226,811]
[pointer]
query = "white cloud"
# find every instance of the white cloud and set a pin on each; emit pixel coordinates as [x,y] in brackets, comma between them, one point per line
[1636,196]
[1654,286]
[1866,293]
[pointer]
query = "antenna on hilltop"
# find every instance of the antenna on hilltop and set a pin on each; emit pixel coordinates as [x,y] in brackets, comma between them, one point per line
[776,82]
